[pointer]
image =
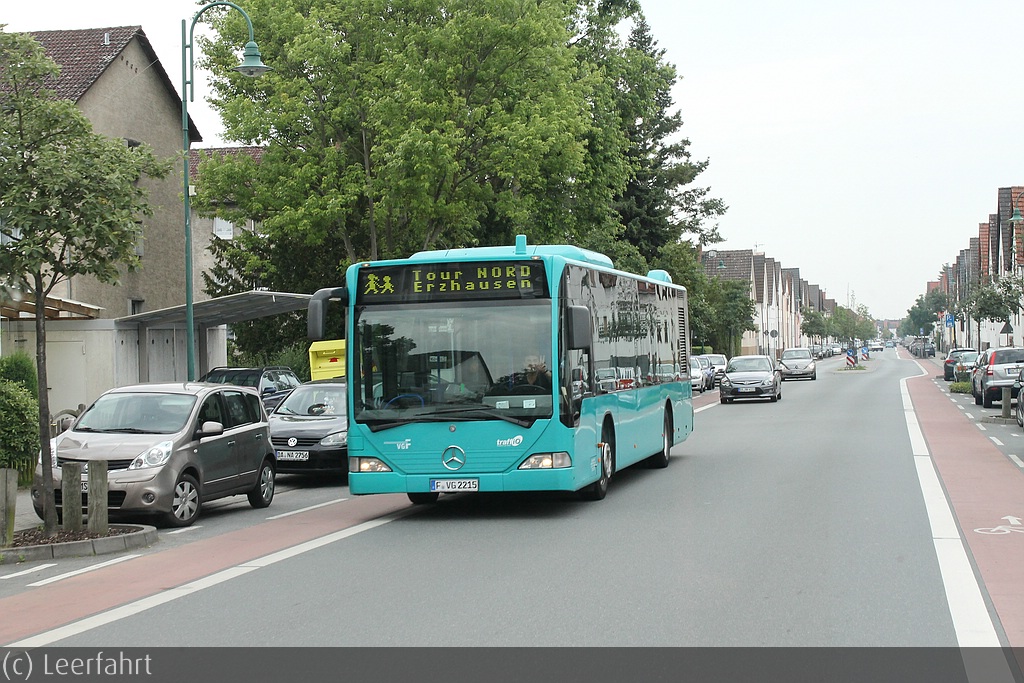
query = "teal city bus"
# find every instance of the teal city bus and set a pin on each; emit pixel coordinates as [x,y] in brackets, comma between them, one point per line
[516,368]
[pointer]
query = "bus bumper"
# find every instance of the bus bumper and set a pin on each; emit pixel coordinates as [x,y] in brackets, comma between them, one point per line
[562,479]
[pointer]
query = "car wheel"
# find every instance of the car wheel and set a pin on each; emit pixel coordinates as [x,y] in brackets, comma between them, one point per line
[599,489]
[660,459]
[814,376]
[423,498]
[186,503]
[1020,415]
[986,398]
[977,397]
[263,493]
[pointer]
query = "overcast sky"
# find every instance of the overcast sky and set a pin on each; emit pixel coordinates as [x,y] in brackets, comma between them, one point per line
[862,142]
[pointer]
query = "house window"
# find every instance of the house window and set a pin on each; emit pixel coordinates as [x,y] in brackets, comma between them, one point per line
[135,306]
[223,229]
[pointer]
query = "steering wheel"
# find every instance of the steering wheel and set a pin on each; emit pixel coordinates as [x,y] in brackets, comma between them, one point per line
[400,396]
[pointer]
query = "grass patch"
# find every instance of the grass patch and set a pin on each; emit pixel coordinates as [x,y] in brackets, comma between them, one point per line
[959,387]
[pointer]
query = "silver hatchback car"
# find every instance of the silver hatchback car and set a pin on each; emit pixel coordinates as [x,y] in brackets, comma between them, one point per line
[995,370]
[169,449]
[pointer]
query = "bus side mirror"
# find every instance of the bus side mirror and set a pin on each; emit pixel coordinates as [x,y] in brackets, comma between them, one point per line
[317,311]
[578,329]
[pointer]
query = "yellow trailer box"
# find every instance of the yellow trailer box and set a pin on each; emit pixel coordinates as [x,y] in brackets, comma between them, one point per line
[327,359]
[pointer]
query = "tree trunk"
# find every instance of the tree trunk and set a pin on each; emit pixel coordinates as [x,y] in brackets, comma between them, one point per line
[49,505]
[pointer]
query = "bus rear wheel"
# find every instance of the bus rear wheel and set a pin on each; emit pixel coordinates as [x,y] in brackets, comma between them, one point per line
[660,459]
[599,489]
[423,498]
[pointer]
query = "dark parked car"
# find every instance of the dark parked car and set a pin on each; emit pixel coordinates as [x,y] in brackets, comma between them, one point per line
[995,369]
[272,381]
[718,362]
[169,449]
[751,377]
[949,365]
[309,429]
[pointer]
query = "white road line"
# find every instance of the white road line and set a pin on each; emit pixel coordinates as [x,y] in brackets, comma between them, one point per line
[68,575]
[702,408]
[1015,459]
[981,426]
[996,441]
[132,608]
[971,620]
[311,507]
[186,530]
[28,571]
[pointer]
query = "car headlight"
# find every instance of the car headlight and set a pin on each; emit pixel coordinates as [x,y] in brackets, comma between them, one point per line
[768,382]
[725,381]
[367,465]
[155,456]
[547,461]
[335,439]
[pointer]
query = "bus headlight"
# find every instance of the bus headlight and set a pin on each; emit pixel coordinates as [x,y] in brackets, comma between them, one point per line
[547,461]
[367,465]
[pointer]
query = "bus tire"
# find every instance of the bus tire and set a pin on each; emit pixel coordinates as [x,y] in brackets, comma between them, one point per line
[660,459]
[423,498]
[599,489]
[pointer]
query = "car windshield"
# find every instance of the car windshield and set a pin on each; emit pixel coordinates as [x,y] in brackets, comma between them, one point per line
[716,358]
[749,365]
[314,399]
[796,354]
[137,413]
[968,357]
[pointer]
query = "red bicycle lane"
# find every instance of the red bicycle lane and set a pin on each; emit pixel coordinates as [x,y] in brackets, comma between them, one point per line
[65,602]
[983,487]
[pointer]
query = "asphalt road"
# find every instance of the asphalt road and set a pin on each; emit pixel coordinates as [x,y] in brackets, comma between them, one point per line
[806,522]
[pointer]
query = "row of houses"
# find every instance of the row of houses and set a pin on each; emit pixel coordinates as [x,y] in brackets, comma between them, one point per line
[779,295]
[995,254]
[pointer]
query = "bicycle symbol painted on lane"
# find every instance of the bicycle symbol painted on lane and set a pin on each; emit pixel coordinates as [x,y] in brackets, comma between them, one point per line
[1014,527]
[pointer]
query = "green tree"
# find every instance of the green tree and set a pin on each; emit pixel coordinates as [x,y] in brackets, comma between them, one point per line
[814,323]
[70,199]
[391,127]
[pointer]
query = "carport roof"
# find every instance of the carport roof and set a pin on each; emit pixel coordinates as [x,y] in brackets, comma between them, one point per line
[223,310]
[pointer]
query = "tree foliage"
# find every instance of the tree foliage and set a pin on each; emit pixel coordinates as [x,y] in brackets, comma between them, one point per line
[70,198]
[391,127]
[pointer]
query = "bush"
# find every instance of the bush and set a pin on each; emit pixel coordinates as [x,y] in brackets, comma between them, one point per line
[959,387]
[20,368]
[19,426]
[295,357]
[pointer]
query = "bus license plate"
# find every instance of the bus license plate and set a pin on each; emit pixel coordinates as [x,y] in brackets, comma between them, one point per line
[451,485]
[293,455]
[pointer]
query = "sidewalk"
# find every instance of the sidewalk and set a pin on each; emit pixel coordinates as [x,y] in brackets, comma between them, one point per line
[24,516]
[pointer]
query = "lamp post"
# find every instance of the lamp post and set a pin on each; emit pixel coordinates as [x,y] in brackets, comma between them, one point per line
[252,65]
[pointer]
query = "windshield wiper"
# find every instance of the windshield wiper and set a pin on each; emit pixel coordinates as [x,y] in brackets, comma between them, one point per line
[126,430]
[449,416]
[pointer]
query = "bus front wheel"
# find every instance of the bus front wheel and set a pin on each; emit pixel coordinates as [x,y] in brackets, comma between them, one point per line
[599,489]
[423,498]
[660,459]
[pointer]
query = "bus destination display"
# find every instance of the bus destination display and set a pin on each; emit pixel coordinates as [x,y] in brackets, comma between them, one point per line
[480,280]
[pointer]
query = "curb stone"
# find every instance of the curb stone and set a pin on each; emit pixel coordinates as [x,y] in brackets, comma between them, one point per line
[142,537]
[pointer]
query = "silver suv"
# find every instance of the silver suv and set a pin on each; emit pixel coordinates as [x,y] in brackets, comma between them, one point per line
[995,369]
[169,449]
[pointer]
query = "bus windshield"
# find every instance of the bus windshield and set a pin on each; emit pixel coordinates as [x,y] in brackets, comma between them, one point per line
[452,361]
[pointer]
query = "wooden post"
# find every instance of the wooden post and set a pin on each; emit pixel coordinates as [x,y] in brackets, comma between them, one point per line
[98,511]
[71,495]
[8,500]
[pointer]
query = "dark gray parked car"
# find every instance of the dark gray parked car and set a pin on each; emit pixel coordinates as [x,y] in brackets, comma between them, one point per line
[169,449]
[309,429]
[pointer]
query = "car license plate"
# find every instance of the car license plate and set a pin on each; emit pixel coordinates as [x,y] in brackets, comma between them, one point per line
[746,389]
[293,455]
[448,485]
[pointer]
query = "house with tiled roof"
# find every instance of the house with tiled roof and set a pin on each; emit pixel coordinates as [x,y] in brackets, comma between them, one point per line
[116,79]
